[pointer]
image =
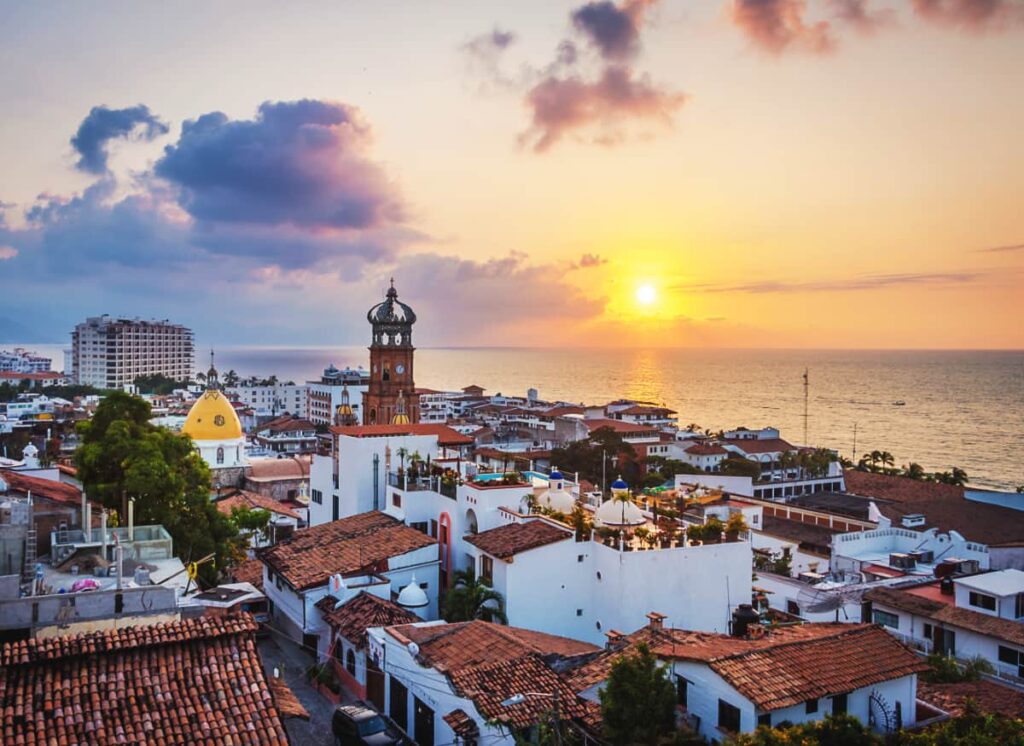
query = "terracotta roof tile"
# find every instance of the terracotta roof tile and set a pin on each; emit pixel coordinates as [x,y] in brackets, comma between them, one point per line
[246,499]
[509,540]
[287,703]
[360,543]
[462,724]
[763,445]
[621,427]
[359,613]
[274,469]
[193,681]
[990,696]
[48,488]
[250,571]
[943,505]
[706,449]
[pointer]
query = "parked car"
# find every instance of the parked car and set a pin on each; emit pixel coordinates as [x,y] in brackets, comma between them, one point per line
[358,723]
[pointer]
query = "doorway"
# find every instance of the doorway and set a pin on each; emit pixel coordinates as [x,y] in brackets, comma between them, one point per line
[424,721]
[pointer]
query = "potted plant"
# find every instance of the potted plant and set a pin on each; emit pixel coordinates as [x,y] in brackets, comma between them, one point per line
[713,528]
[643,534]
[734,526]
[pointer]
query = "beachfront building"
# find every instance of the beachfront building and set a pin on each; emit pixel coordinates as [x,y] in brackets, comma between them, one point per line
[731,684]
[110,353]
[271,400]
[335,388]
[20,360]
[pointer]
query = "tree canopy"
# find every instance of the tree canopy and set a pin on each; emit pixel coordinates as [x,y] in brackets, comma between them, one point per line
[472,598]
[585,457]
[638,701]
[122,455]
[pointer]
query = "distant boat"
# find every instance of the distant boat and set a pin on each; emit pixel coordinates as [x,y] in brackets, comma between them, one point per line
[899,403]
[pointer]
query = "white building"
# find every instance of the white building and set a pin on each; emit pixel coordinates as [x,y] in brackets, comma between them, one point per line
[21,360]
[977,615]
[110,353]
[370,551]
[271,401]
[458,683]
[728,685]
[325,396]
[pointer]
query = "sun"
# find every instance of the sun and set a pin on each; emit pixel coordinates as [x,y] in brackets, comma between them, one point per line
[646,295]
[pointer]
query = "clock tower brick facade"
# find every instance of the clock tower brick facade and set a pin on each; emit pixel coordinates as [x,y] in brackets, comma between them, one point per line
[391,396]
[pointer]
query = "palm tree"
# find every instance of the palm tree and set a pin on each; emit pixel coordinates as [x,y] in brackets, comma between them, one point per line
[231,378]
[887,459]
[402,453]
[959,477]
[693,427]
[472,598]
[914,470]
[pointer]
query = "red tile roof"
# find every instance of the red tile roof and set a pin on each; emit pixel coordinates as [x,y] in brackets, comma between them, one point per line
[990,696]
[706,449]
[192,681]
[446,436]
[462,724]
[52,490]
[250,571]
[359,613]
[46,375]
[788,666]
[285,424]
[245,499]
[505,542]
[452,647]
[357,544]
[638,409]
[943,505]
[764,445]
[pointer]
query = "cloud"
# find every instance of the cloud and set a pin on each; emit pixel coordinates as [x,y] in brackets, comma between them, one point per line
[969,15]
[589,260]
[7,252]
[560,106]
[859,16]
[776,26]
[103,125]
[613,29]
[297,163]
[865,282]
[595,97]
[1002,249]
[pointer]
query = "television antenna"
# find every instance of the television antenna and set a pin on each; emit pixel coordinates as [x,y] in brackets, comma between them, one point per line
[807,384]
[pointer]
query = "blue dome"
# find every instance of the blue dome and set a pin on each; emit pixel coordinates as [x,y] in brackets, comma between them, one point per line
[620,484]
[555,475]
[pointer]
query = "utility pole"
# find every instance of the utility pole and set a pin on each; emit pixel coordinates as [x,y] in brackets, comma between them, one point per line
[806,387]
[853,456]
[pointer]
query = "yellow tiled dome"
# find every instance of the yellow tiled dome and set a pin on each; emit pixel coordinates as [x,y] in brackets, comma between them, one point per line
[212,418]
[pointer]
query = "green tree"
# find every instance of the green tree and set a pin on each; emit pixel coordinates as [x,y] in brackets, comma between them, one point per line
[737,466]
[472,598]
[638,701]
[838,730]
[586,456]
[158,384]
[914,470]
[121,454]
[250,521]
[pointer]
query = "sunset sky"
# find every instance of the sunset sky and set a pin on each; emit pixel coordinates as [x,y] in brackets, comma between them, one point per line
[736,173]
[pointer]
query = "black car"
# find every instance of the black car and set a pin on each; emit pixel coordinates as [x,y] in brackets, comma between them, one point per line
[359,723]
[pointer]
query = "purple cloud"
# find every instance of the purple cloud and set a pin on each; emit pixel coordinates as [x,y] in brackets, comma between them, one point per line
[613,29]
[776,26]
[860,17]
[560,106]
[103,125]
[969,15]
[299,163]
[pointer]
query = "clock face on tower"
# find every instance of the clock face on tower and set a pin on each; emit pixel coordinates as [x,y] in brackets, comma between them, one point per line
[399,369]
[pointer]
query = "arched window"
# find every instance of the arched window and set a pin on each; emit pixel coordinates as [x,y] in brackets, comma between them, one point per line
[220,454]
[350,662]
[373,416]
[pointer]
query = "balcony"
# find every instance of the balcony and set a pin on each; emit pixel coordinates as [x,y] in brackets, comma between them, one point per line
[422,483]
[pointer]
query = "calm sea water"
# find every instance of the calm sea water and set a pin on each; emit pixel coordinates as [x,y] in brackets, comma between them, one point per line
[963,408]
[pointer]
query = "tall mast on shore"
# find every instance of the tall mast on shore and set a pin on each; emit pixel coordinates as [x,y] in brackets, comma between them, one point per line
[806,385]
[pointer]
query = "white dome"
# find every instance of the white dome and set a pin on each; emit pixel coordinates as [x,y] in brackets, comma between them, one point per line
[557,499]
[412,596]
[619,513]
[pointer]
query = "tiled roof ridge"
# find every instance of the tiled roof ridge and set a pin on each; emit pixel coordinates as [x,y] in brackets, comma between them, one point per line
[842,630]
[34,650]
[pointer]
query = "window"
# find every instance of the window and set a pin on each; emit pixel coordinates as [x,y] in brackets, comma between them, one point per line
[681,692]
[982,601]
[765,719]
[350,662]
[487,569]
[579,557]
[396,499]
[811,706]
[884,617]
[838,704]
[1010,656]
[118,603]
[579,612]
[421,526]
[1019,607]
[728,716]
[220,454]
[927,631]
[336,508]
[317,496]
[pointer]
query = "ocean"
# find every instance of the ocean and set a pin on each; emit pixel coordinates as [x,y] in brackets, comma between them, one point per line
[962,408]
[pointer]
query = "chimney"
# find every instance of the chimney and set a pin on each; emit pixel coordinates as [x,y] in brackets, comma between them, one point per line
[655,620]
[614,638]
[131,519]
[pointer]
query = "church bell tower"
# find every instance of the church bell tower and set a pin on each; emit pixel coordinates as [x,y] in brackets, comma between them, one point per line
[391,396]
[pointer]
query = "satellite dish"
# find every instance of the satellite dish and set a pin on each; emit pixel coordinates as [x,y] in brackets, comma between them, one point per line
[413,648]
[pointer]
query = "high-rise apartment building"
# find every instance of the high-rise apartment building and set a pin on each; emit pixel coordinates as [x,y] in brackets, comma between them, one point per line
[111,353]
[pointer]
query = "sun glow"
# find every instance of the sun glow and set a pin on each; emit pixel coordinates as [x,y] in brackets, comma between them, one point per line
[646,295]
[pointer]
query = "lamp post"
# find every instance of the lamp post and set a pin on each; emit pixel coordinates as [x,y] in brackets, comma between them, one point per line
[604,462]
[518,699]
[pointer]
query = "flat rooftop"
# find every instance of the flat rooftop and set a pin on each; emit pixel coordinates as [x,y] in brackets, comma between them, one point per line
[999,583]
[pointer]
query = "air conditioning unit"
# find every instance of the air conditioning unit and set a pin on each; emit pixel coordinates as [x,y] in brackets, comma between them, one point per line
[910,520]
[923,556]
[902,561]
